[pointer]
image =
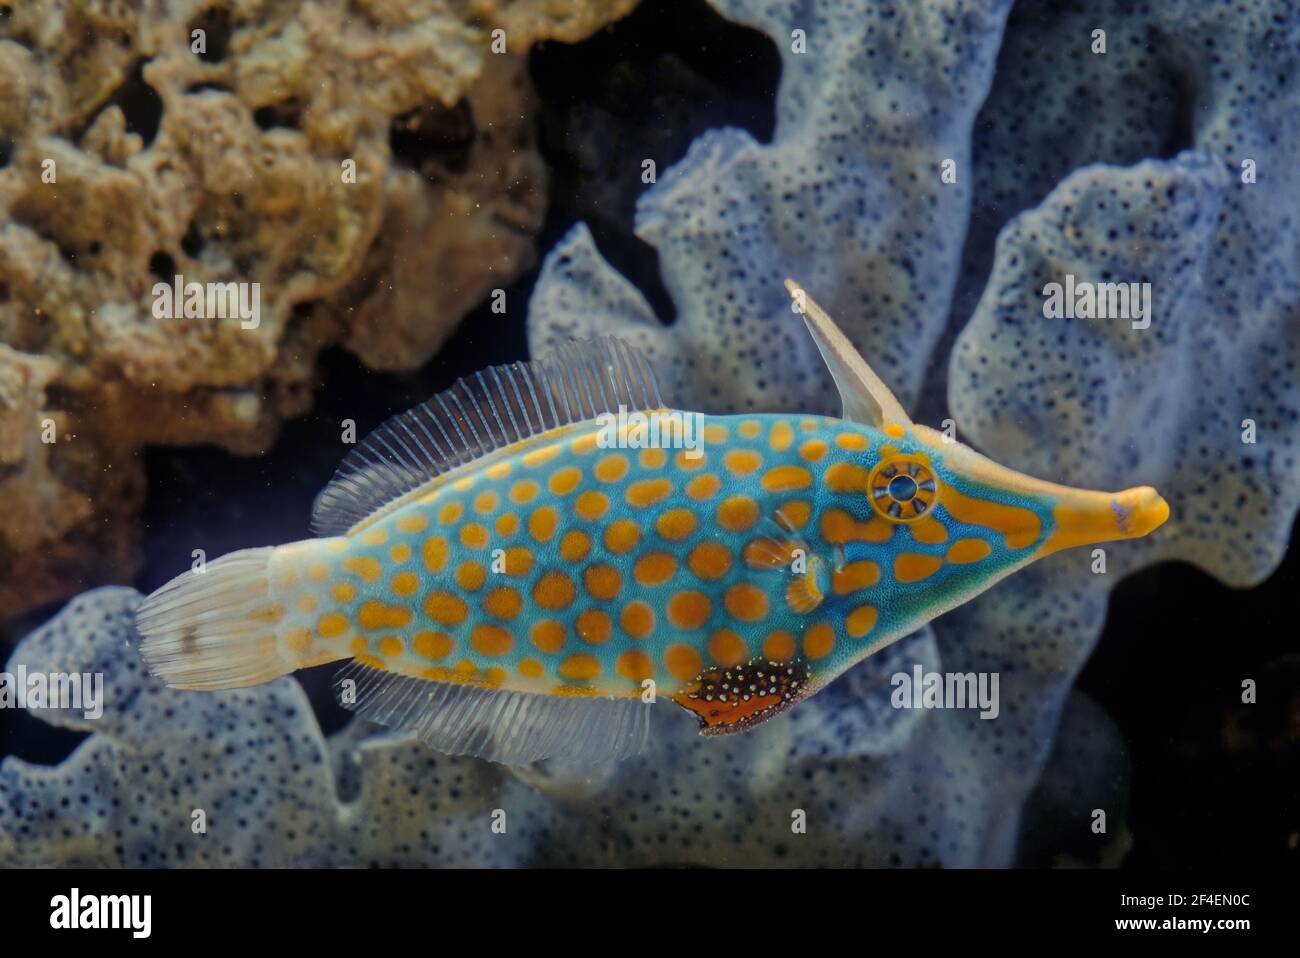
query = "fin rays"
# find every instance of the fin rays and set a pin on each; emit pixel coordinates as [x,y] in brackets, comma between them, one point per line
[514,728]
[478,415]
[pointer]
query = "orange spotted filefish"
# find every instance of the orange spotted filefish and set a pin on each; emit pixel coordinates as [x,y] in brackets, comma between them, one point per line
[522,566]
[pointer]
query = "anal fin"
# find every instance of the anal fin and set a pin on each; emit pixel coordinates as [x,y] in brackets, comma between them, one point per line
[513,728]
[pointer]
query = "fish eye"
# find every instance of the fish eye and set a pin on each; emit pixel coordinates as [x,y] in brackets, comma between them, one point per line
[902,488]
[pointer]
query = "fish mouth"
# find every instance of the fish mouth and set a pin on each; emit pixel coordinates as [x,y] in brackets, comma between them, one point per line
[1138,511]
[1083,517]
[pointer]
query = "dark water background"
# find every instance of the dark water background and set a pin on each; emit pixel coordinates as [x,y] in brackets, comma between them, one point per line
[1210,784]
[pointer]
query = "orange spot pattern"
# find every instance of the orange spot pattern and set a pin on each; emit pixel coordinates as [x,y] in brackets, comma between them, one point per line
[727,648]
[635,666]
[915,566]
[722,615]
[703,487]
[637,619]
[709,560]
[838,527]
[968,550]
[594,627]
[648,492]
[818,641]
[737,513]
[622,536]
[654,568]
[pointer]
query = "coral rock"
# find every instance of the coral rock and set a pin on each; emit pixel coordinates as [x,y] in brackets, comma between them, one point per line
[217,141]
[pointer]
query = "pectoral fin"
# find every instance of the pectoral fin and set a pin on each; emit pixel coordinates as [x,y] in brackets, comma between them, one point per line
[787,565]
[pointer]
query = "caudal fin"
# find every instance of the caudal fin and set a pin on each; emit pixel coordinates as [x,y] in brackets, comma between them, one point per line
[215,629]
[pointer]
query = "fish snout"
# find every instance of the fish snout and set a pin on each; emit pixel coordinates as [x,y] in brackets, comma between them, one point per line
[1085,518]
[1138,511]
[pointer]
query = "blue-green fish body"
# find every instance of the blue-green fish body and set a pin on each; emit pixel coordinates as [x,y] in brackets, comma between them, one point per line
[521,566]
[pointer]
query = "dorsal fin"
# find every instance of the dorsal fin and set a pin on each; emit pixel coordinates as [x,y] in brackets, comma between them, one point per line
[478,415]
[866,398]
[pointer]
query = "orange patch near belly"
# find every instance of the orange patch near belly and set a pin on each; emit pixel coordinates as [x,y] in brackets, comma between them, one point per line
[731,699]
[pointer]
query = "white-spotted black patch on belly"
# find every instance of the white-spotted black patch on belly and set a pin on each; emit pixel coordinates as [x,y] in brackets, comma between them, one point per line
[733,699]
